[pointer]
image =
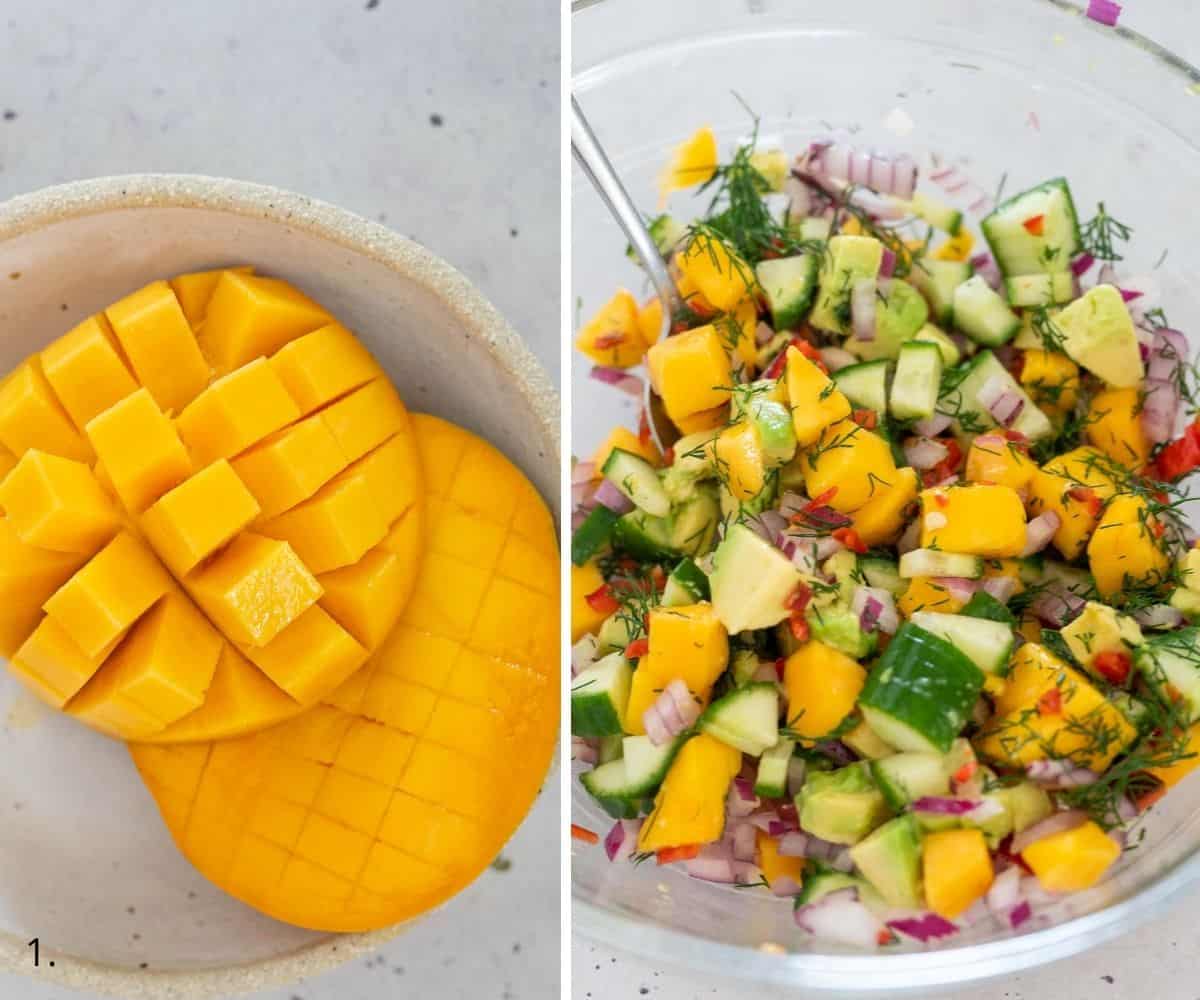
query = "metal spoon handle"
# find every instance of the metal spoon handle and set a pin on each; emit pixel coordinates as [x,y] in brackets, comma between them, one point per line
[595,163]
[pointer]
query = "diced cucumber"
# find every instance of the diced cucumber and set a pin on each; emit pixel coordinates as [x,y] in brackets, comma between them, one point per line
[845,261]
[937,280]
[599,696]
[1171,665]
[951,355]
[1026,291]
[771,780]
[789,284]
[687,584]
[865,742]
[984,605]
[750,581]
[983,315]
[746,718]
[938,214]
[637,479]
[884,573]
[820,881]
[1036,230]
[864,384]
[918,376]
[625,787]
[890,859]
[1026,802]
[593,534]
[905,777]
[694,523]
[643,536]
[810,227]
[935,562]
[960,399]
[986,643]
[610,748]
[616,632]
[921,691]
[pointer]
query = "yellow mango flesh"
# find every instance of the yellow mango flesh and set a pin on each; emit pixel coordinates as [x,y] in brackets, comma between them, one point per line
[1171,774]
[924,593]
[402,785]
[880,520]
[613,336]
[1051,379]
[1125,550]
[365,418]
[56,503]
[957,870]
[28,576]
[975,520]
[855,461]
[690,806]
[717,272]
[289,466]
[814,400]
[308,656]
[994,460]
[693,162]
[31,416]
[194,291]
[324,365]
[774,865]
[1072,860]
[85,370]
[626,440]
[705,420]
[52,663]
[1115,427]
[649,320]
[585,619]
[740,455]
[1051,490]
[822,686]
[691,372]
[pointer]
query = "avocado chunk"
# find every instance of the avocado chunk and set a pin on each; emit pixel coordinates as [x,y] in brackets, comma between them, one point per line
[1098,334]
[841,806]
[695,460]
[900,314]
[838,626]
[750,581]
[890,859]
[1027,804]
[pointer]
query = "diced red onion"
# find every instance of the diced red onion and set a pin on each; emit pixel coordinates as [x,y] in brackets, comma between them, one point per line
[1058,774]
[1005,892]
[1107,274]
[876,609]
[862,309]
[1160,407]
[887,263]
[582,496]
[910,538]
[840,917]
[933,426]
[986,267]
[1000,400]
[800,550]
[1159,616]
[1039,532]
[924,453]
[785,885]
[1055,823]
[583,750]
[764,820]
[672,712]
[763,334]
[765,674]
[769,525]
[1130,294]
[612,498]
[836,358]
[941,805]
[619,378]
[744,835]
[583,654]
[799,197]
[583,472]
[1082,264]
[1057,606]
[578,516]
[1104,12]
[959,588]
[742,792]
[714,863]
[793,844]
[1000,587]
[836,751]
[1126,809]
[885,174]
[927,927]
[1020,913]
[622,839]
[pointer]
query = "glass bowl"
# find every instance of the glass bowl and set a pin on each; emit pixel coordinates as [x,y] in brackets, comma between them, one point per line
[1014,92]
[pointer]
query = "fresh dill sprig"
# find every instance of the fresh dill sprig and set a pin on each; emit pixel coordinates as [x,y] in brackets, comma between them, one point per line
[1099,234]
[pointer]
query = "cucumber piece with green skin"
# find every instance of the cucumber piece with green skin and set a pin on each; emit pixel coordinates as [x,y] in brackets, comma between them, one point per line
[637,479]
[865,742]
[789,284]
[593,534]
[616,632]
[820,881]
[951,354]
[771,780]
[610,748]
[905,777]
[890,859]
[810,227]
[687,584]
[984,605]
[750,581]
[1170,663]
[625,787]
[937,280]
[646,538]
[982,314]
[747,718]
[935,562]
[986,643]
[841,806]
[883,573]
[599,696]
[960,399]
[864,384]
[1028,291]
[845,261]
[938,214]
[838,626]
[915,386]
[1023,245]
[1026,802]
[921,691]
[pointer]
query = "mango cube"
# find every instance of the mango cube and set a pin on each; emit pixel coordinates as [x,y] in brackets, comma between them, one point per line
[366,418]
[880,519]
[1127,548]
[854,463]
[815,401]
[159,344]
[55,503]
[57,663]
[691,371]
[323,365]
[32,417]
[613,336]
[310,657]
[116,587]
[365,598]
[140,450]
[334,528]
[236,411]
[28,576]
[85,370]
[390,474]
[1072,860]
[200,515]
[977,520]
[250,317]
[254,589]
[194,290]
[289,466]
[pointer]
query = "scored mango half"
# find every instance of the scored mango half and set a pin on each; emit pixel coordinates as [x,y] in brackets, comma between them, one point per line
[212,512]
[402,785]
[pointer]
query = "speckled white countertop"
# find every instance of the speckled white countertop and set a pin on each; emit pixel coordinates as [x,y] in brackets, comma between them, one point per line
[440,120]
[1156,961]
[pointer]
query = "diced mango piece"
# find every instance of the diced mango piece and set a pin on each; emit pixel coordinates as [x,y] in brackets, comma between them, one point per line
[649,320]
[705,420]
[158,341]
[626,440]
[1010,568]
[1071,485]
[290,465]
[32,417]
[691,372]
[140,450]
[690,806]
[1051,379]
[56,503]
[613,337]
[324,365]
[925,593]
[976,520]
[250,317]
[815,401]
[334,528]
[994,460]
[1114,425]
[822,685]
[310,657]
[389,472]
[235,412]
[957,247]
[201,514]
[85,370]
[366,597]
[163,666]
[54,660]
[776,868]
[254,589]
[880,520]
[195,289]
[113,590]
[693,162]
[1171,774]
[28,576]
[366,418]
[740,456]
[8,462]
[117,716]
[957,870]
[850,460]
[1072,860]
[1126,550]
[721,276]
[585,579]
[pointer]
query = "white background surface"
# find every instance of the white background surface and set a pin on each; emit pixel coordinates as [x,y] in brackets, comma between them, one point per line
[335,99]
[1157,961]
